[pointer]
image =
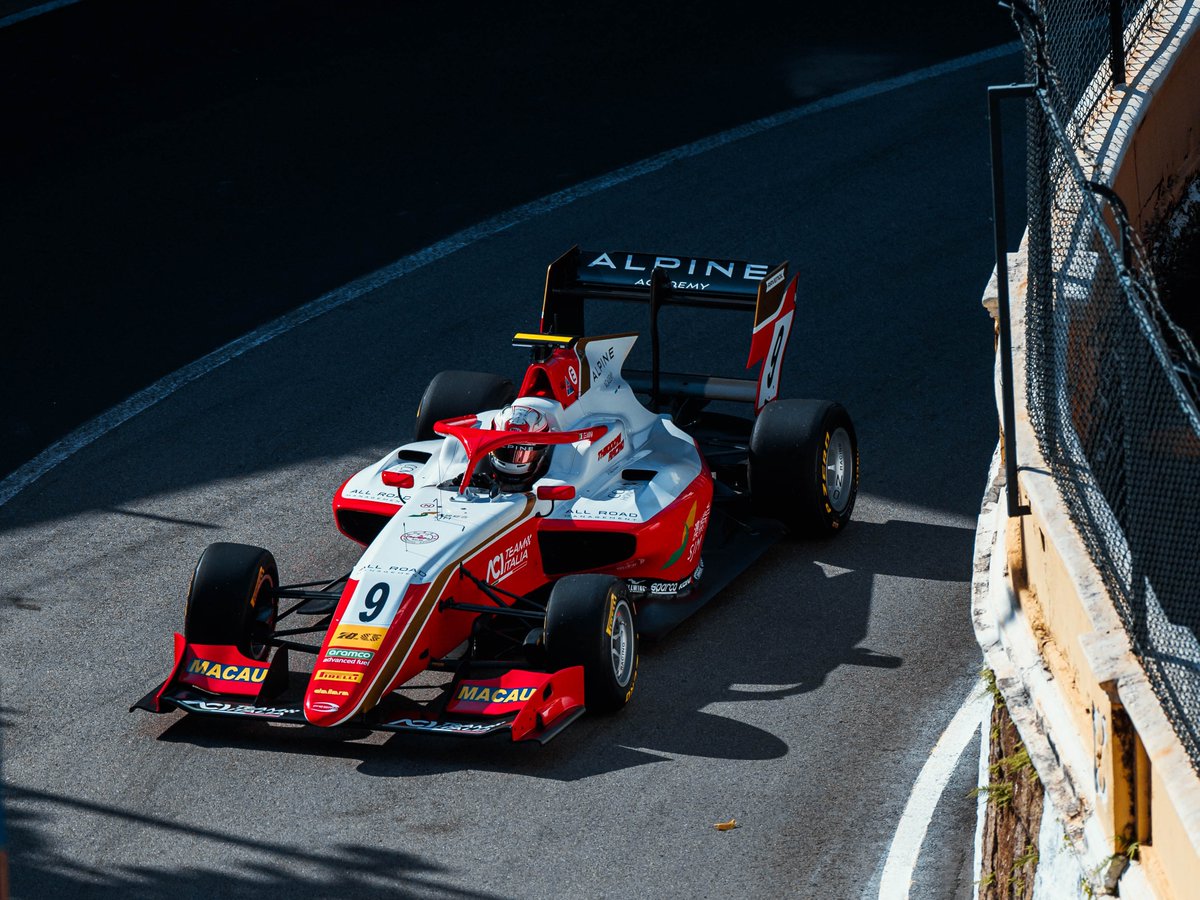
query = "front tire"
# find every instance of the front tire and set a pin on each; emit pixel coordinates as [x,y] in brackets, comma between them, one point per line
[455,393]
[804,465]
[590,623]
[232,599]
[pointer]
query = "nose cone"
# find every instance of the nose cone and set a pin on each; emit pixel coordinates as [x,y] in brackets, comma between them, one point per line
[336,689]
[328,705]
[356,655]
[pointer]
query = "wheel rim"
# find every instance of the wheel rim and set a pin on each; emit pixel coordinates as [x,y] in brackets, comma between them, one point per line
[839,469]
[621,643]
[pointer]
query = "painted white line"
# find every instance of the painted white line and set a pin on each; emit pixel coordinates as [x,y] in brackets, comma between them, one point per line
[165,387]
[927,791]
[35,11]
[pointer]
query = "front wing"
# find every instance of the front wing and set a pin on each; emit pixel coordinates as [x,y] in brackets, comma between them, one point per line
[529,705]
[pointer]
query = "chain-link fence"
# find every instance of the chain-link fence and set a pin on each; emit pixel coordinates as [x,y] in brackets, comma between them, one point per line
[1112,384]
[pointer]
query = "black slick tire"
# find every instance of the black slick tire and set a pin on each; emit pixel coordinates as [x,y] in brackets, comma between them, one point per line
[590,623]
[231,599]
[803,467]
[456,393]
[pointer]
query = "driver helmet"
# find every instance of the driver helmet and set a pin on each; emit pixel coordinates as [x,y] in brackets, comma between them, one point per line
[520,461]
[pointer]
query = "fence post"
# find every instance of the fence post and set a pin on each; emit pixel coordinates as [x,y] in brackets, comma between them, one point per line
[997,93]
[1116,43]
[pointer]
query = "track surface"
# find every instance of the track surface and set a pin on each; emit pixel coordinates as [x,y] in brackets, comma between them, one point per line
[803,703]
[175,174]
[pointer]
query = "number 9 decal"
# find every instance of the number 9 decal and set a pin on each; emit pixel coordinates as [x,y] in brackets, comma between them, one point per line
[376,598]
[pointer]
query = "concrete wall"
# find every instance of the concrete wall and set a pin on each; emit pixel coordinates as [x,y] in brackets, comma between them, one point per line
[1116,776]
[1156,163]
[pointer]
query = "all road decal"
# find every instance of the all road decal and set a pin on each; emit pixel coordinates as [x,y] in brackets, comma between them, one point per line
[368,636]
[600,513]
[223,672]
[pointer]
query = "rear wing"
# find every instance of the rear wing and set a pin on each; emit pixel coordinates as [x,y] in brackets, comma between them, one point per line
[720,284]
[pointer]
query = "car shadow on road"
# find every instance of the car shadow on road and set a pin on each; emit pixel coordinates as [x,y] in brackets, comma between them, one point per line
[233,864]
[751,639]
[799,614]
[902,548]
[802,615]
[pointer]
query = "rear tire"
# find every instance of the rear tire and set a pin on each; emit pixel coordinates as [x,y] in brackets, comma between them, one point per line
[590,623]
[455,393]
[231,599]
[804,465]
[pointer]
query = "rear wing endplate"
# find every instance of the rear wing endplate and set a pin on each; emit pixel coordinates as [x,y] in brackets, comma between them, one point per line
[701,283]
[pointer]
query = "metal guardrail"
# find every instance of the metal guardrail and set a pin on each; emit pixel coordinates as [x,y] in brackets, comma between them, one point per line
[1112,383]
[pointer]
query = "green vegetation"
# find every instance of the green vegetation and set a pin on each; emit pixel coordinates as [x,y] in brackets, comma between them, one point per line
[999,793]
[1005,776]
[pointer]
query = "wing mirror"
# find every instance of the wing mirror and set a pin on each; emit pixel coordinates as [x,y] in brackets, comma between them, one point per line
[556,492]
[398,479]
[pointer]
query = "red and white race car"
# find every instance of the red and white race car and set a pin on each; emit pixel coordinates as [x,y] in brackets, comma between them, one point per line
[529,536]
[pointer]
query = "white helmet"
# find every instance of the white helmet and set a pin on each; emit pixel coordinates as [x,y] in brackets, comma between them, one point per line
[520,461]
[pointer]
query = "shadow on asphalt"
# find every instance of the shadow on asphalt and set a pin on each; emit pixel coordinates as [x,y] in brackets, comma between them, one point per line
[176,174]
[39,869]
[904,549]
[782,639]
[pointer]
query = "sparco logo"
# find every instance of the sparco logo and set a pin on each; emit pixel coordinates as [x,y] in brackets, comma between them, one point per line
[419,537]
[510,560]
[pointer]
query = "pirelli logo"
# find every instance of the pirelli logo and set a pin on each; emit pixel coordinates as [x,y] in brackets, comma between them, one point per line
[335,675]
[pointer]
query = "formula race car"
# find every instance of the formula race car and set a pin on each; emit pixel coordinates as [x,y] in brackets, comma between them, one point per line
[529,536]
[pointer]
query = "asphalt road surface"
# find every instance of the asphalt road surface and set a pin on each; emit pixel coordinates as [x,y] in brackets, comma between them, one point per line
[175,174]
[802,703]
